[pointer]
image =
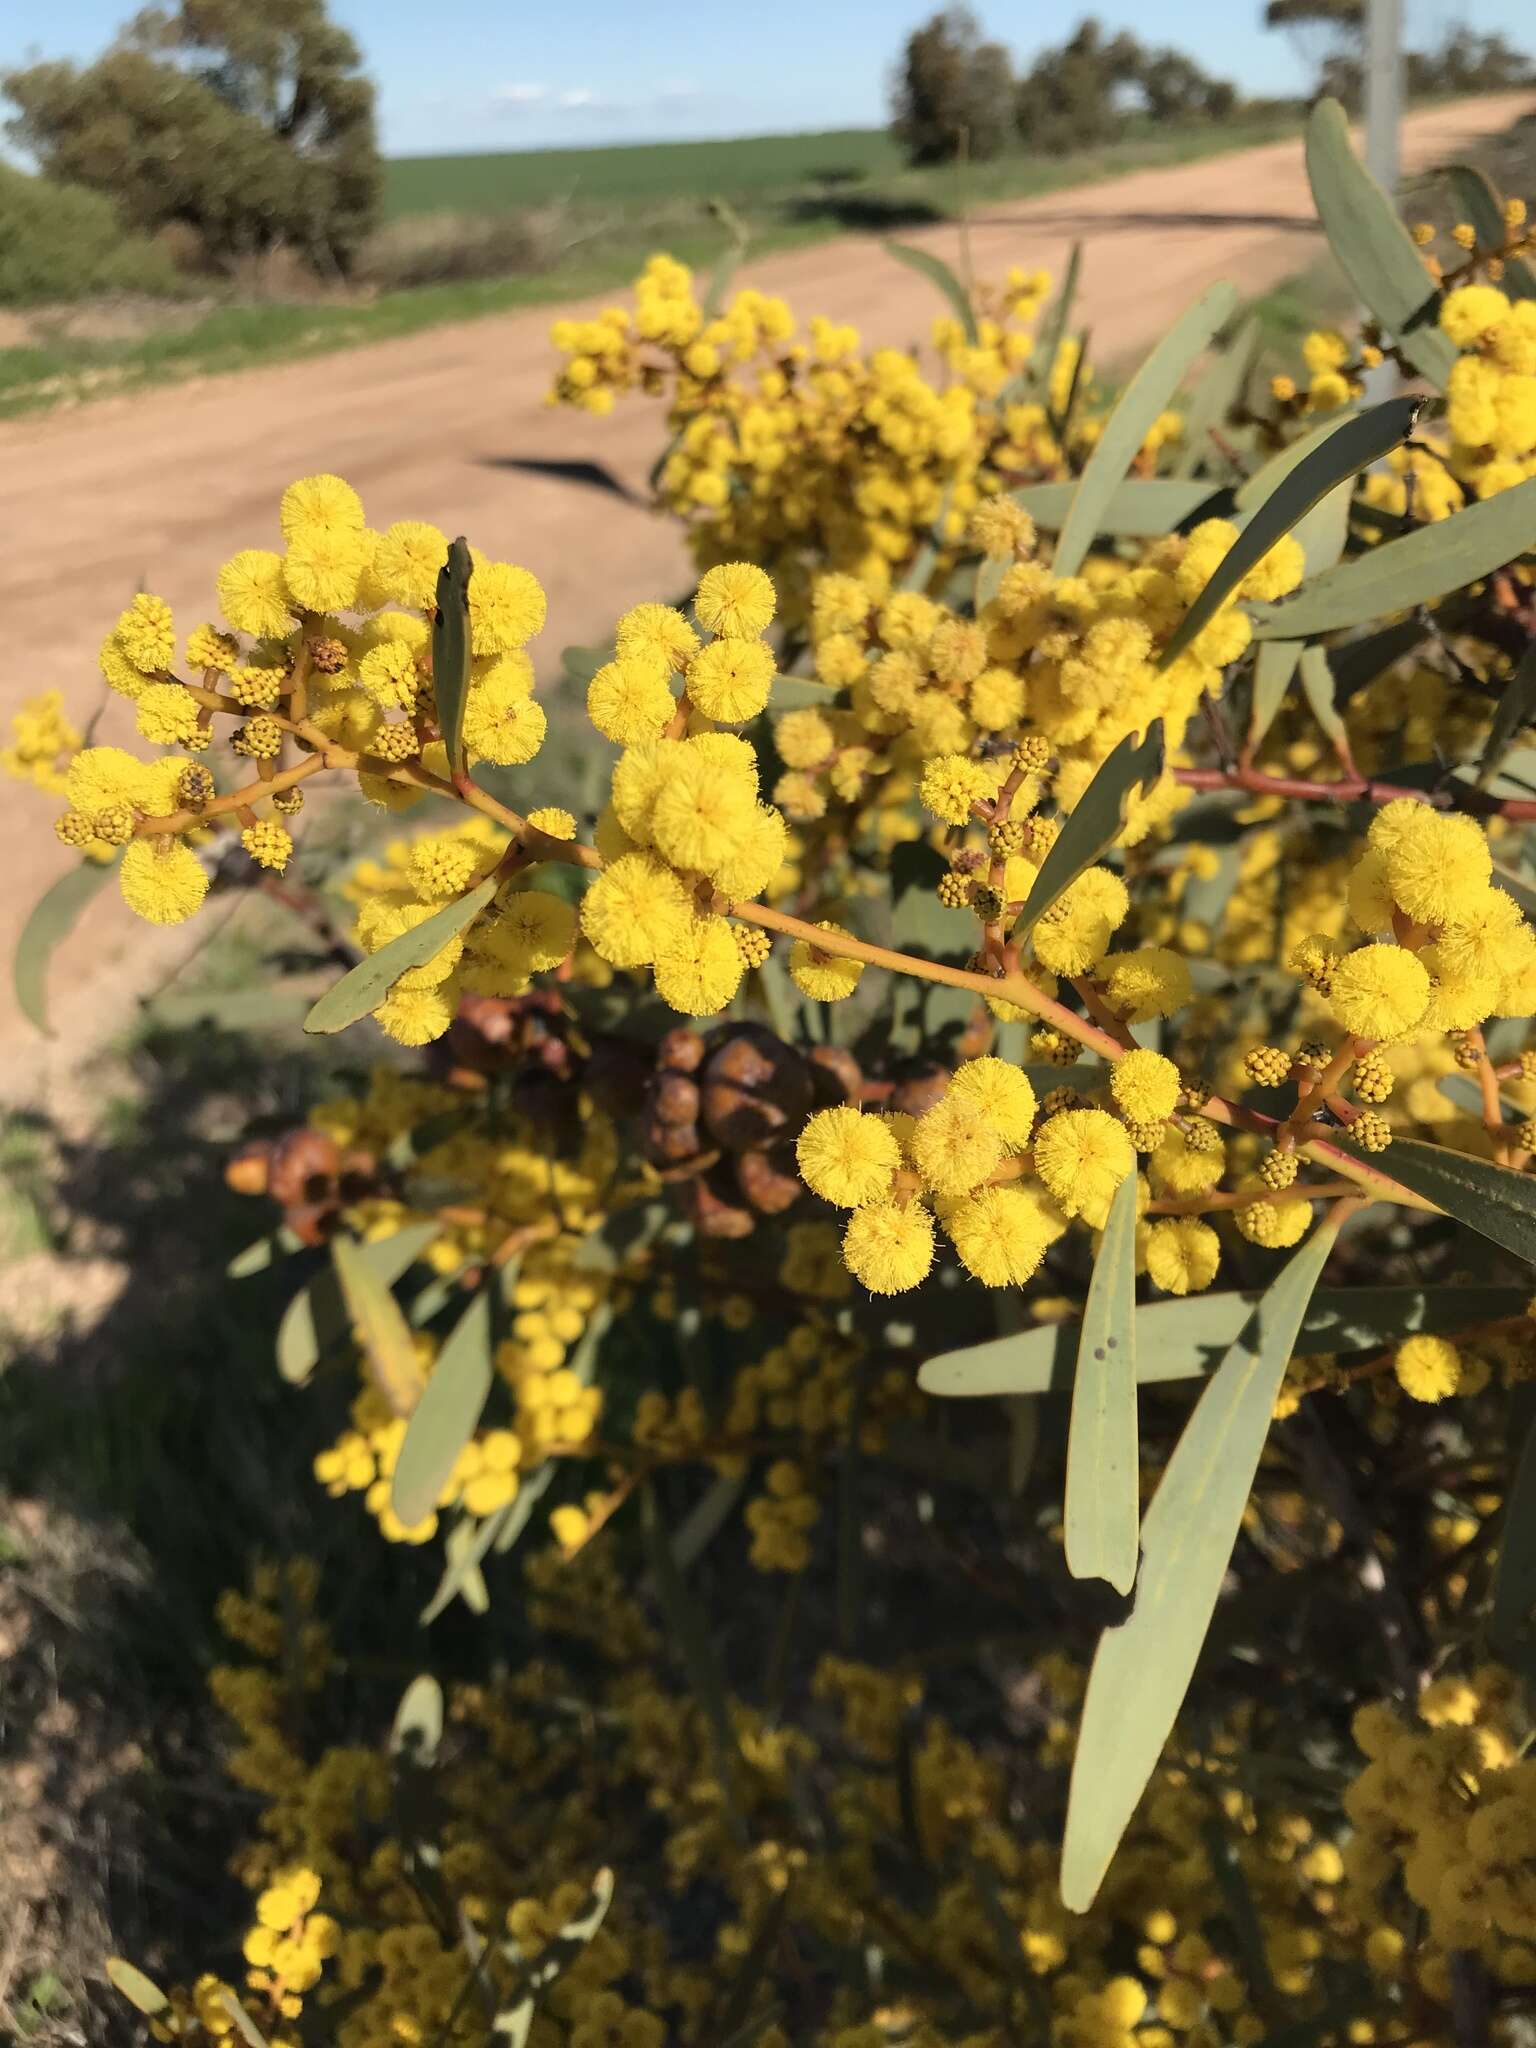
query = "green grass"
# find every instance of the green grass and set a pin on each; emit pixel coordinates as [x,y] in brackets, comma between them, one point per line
[786,190]
[758,166]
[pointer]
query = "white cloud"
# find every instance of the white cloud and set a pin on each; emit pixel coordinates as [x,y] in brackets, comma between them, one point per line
[581,99]
[513,96]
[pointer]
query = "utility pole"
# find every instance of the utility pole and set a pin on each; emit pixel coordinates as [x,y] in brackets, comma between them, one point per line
[1383,117]
[1383,91]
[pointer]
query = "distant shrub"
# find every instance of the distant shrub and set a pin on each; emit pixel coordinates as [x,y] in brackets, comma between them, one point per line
[251,126]
[450,248]
[1082,93]
[61,242]
[950,83]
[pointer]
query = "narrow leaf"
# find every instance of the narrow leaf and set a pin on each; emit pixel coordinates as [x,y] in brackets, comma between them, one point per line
[1417,569]
[1103,1506]
[1139,507]
[245,2026]
[418,1723]
[265,1252]
[1049,347]
[446,1416]
[1215,394]
[1317,687]
[1096,821]
[1184,1340]
[706,1518]
[1515,708]
[1143,1666]
[316,1318]
[1514,1578]
[1492,1200]
[754,1967]
[1267,479]
[360,992]
[51,919]
[580,664]
[389,1352]
[1344,453]
[797,693]
[938,273]
[462,1563]
[138,1989]
[1147,395]
[690,1639]
[450,650]
[1273,669]
[1372,247]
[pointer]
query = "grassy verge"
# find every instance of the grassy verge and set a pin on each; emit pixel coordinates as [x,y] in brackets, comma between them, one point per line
[604,240]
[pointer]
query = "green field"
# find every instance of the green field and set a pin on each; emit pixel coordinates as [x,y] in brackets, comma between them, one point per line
[756,166]
[597,212]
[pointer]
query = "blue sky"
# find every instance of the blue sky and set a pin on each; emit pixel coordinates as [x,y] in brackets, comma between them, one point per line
[489,74]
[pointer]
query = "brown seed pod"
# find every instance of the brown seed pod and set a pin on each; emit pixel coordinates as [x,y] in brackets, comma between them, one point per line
[769,1180]
[717,1210]
[836,1075]
[976,1038]
[671,1144]
[674,1099]
[757,1089]
[682,1049]
[303,1167]
[917,1092]
[312,1222]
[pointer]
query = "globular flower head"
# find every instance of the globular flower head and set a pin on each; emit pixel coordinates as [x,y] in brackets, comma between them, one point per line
[699,967]
[406,560]
[323,567]
[730,679]
[253,595]
[1074,934]
[704,808]
[1379,992]
[1145,1086]
[1000,1234]
[1082,1155]
[656,630]
[1002,1094]
[507,607]
[503,724]
[847,1157]
[1182,1254]
[162,880]
[824,977]
[326,502]
[1152,982]
[629,699]
[537,926]
[803,739]
[1438,866]
[736,600]
[952,783]
[888,1248]
[635,907]
[1427,1368]
[955,1146]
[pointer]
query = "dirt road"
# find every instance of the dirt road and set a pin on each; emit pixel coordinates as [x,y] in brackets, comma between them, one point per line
[154,491]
